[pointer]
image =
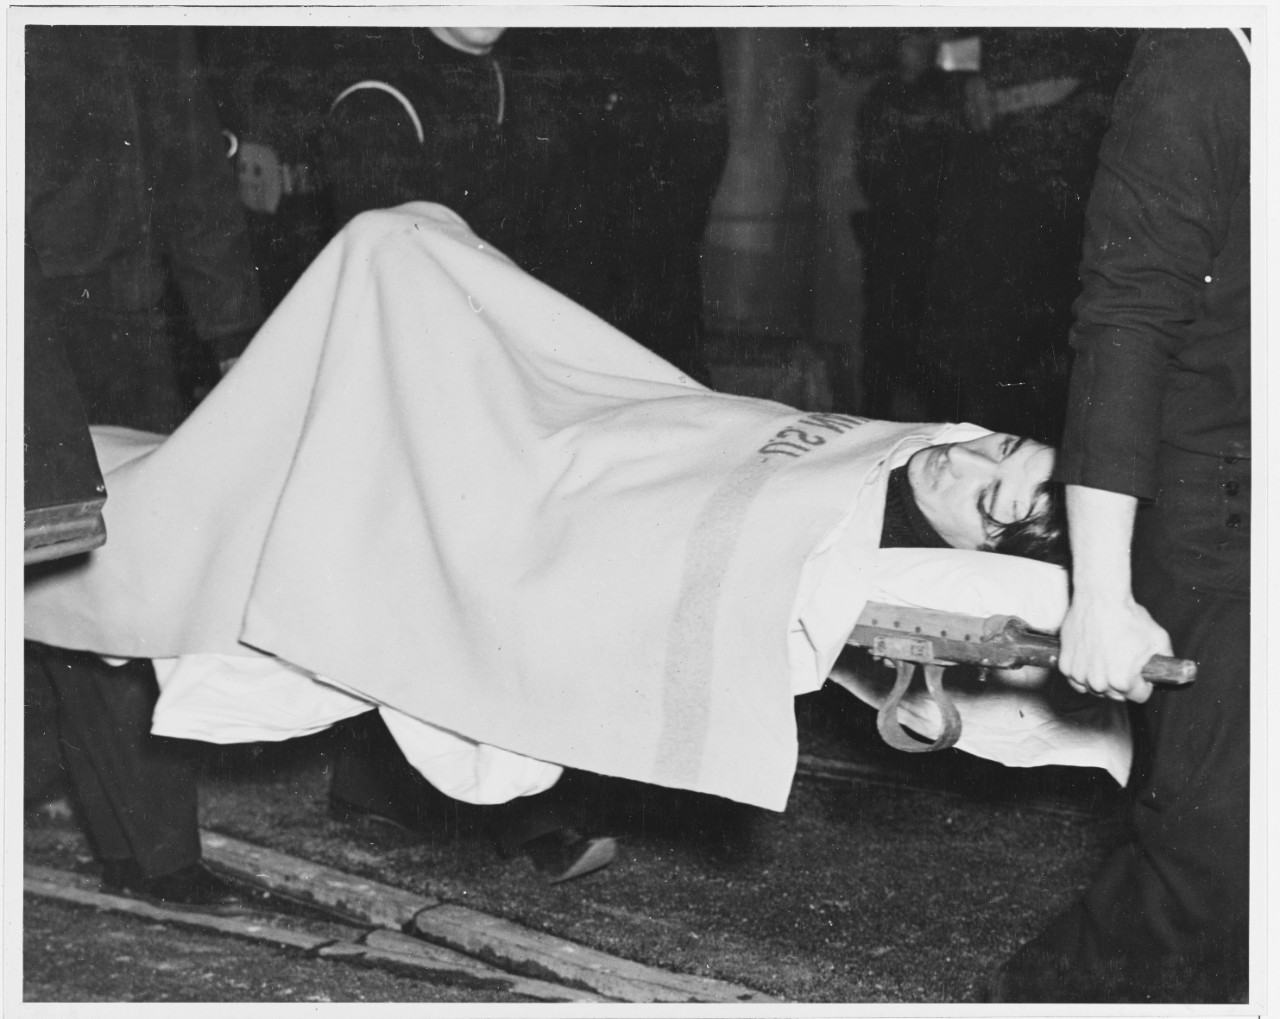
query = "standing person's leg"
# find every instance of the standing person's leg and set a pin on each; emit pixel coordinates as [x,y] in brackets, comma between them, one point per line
[125,367]
[1191,563]
[1167,917]
[44,776]
[137,792]
[548,827]
[374,784]
[373,780]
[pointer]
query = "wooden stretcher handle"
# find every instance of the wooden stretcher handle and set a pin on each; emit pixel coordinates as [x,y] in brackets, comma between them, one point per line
[1166,671]
[1004,642]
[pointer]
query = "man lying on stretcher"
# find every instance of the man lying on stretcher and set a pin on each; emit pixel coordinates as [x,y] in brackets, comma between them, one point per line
[436,486]
[991,493]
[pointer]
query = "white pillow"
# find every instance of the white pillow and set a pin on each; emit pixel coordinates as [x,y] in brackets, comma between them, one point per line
[972,584]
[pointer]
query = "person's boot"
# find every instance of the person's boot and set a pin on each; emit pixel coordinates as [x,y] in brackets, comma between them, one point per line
[194,886]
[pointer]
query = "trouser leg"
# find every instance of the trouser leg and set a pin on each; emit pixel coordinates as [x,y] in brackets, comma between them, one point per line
[137,792]
[562,807]
[43,773]
[1191,817]
[1168,913]
[369,772]
[1166,919]
[372,775]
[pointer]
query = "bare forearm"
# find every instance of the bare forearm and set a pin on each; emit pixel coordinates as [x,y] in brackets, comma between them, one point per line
[1101,530]
[1107,637]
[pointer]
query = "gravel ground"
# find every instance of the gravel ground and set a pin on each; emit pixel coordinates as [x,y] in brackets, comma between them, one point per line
[857,893]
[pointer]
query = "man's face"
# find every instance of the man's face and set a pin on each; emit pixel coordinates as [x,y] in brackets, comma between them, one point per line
[967,489]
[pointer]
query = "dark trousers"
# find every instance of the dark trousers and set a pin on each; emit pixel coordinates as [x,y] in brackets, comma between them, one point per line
[136,792]
[1169,913]
[370,773]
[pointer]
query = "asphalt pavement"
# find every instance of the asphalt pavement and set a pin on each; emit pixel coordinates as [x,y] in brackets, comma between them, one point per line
[890,878]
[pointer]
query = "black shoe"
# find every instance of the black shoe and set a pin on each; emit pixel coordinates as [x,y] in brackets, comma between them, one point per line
[565,853]
[194,886]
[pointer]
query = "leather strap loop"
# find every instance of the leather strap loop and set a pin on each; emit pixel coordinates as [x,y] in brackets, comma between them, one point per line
[893,732]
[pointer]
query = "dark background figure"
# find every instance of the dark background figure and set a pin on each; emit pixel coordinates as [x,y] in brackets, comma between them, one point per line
[134,232]
[437,137]
[308,161]
[1156,458]
[268,90]
[1010,213]
[903,125]
[598,180]
[647,135]
[130,215]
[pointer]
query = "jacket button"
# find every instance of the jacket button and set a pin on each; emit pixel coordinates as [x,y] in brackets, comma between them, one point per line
[1233,520]
[1232,487]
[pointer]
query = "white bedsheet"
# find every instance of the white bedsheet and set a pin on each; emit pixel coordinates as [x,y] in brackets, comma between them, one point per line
[235,699]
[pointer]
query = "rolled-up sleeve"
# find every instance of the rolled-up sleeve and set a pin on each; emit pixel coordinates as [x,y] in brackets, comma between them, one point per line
[1157,217]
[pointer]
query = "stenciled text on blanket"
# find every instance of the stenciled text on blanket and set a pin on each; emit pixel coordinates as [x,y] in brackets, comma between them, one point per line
[795,441]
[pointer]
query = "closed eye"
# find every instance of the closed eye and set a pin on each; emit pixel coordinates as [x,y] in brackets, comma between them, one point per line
[987,500]
[1011,445]
[986,504]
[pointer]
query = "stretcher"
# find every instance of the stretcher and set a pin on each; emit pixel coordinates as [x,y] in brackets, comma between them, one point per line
[561,552]
[63,492]
[905,637]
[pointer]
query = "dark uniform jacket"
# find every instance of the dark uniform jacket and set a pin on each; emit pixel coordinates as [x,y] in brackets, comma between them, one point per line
[1162,327]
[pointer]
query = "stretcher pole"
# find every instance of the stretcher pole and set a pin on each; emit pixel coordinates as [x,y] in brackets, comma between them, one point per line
[907,637]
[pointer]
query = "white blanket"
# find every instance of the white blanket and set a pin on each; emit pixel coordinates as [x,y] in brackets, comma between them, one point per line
[455,494]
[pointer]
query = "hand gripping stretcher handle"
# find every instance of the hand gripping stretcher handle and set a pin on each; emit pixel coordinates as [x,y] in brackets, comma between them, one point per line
[1032,647]
[910,636]
[1001,642]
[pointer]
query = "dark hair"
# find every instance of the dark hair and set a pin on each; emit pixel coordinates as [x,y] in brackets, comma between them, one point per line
[1042,534]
